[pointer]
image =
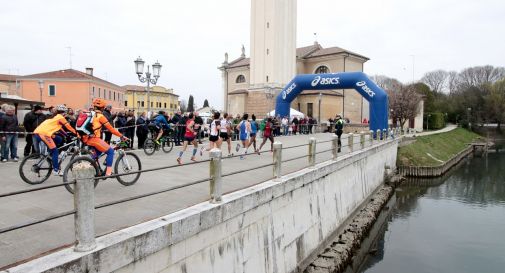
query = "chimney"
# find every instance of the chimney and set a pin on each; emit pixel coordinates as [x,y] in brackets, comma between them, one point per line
[89,71]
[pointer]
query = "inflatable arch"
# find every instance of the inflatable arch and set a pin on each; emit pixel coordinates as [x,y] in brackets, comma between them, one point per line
[377,98]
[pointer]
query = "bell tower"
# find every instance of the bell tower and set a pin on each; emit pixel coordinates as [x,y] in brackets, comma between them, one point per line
[273,52]
[273,43]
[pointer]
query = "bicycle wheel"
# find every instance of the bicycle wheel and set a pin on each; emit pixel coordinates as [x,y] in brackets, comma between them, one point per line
[126,163]
[69,174]
[35,169]
[167,145]
[149,146]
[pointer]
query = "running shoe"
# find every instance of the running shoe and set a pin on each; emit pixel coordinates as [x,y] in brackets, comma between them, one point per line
[16,159]
[57,173]
[237,148]
[157,142]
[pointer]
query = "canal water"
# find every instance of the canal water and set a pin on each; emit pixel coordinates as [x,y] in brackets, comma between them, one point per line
[451,224]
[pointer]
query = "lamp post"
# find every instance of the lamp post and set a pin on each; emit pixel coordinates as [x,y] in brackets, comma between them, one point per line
[139,69]
[428,122]
[468,116]
[319,111]
[41,87]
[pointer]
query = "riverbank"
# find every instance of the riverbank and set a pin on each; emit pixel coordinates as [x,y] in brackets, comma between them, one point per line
[435,150]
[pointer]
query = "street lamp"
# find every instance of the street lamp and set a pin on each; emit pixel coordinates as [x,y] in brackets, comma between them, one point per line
[319,118]
[428,122]
[468,117]
[41,87]
[139,69]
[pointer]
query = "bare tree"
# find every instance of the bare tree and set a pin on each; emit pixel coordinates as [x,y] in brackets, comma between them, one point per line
[453,82]
[386,82]
[403,103]
[183,105]
[479,75]
[436,80]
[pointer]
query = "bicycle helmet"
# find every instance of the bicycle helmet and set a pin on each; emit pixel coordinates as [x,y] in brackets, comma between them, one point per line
[61,108]
[99,102]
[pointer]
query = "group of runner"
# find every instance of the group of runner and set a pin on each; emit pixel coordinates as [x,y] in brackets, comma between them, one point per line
[220,131]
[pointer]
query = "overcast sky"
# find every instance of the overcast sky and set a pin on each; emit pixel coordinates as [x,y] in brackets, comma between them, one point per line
[189,38]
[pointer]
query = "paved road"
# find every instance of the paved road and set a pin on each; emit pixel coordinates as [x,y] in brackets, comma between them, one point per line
[28,242]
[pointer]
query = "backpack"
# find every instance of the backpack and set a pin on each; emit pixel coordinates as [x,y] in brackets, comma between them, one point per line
[84,123]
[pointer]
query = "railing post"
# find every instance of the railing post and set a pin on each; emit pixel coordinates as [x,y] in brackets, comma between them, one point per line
[84,203]
[384,134]
[371,137]
[312,152]
[378,135]
[350,142]
[277,161]
[362,140]
[215,175]
[334,147]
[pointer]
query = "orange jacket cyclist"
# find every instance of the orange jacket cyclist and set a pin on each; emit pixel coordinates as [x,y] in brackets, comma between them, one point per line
[94,139]
[46,132]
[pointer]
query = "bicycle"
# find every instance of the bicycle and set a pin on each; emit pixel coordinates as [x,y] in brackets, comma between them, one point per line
[166,143]
[126,162]
[41,165]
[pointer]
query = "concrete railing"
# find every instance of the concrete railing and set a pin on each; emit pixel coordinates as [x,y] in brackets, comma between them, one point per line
[275,224]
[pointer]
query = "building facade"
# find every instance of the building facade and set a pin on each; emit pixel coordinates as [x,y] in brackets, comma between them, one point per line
[252,84]
[8,84]
[161,98]
[74,88]
[242,96]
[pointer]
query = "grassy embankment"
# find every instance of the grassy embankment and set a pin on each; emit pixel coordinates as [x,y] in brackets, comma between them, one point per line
[433,150]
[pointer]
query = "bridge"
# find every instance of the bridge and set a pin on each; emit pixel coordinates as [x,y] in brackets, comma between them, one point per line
[37,226]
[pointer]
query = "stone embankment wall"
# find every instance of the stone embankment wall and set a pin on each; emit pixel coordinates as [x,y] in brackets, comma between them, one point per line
[271,227]
[434,171]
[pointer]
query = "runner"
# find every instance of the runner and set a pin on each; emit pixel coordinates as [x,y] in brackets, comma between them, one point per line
[189,137]
[254,131]
[214,140]
[225,132]
[267,134]
[244,128]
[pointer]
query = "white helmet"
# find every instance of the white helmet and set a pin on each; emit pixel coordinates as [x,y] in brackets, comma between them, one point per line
[62,108]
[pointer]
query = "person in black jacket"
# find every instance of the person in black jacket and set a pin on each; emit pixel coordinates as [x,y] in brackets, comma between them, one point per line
[130,123]
[142,130]
[9,124]
[198,127]
[178,129]
[31,121]
[110,117]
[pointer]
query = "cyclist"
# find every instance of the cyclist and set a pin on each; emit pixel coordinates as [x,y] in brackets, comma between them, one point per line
[161,124]
[48,132]
[94,140]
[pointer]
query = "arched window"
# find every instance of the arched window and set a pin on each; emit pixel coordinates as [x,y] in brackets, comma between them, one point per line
[322,69]
[240,79]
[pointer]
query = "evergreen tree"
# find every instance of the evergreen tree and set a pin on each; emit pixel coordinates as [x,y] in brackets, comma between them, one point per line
[191,106]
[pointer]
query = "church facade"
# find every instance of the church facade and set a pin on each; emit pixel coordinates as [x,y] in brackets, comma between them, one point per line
[251,84]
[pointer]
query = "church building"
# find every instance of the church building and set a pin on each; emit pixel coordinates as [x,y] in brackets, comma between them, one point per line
[251,84]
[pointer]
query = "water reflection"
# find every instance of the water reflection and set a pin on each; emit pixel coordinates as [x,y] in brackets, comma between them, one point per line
[451,224]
